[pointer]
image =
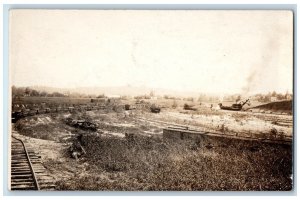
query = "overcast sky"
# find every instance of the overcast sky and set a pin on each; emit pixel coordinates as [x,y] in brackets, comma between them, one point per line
[202,51]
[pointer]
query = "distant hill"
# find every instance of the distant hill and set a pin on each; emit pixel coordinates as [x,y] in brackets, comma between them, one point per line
[277,106]
[119,90]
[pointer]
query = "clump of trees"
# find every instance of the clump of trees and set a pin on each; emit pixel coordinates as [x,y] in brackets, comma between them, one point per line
[278,96]
[189,99]
[264,98]
[142,97]
[30,92]
[27,91]
[208,98]
[171,97]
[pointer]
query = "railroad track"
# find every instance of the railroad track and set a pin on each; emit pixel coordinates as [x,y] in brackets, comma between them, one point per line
[161,122]
[203,130]
[27,171]
[32,112]
[278,120]
[188,133]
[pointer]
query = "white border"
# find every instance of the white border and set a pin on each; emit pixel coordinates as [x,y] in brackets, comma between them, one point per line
[139,2]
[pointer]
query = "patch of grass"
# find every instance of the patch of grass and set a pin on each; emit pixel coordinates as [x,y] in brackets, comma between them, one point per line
[40,131]
[145,163]
[44,130]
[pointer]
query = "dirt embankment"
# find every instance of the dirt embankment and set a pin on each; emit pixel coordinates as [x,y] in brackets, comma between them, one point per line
[283,106]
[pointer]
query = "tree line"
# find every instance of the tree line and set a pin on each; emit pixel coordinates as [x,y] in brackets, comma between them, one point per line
[29,92]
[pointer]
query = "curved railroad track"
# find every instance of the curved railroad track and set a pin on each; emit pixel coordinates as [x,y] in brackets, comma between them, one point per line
[27,171]
[206,131]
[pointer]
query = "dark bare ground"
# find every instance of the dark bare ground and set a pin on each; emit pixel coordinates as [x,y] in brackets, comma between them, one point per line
[275,106]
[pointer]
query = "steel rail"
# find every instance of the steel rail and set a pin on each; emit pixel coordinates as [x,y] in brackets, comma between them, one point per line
[209,133]
[30,164]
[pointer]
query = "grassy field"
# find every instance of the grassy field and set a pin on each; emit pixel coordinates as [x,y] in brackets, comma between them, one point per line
[151,164]
[142,162]
[127,153]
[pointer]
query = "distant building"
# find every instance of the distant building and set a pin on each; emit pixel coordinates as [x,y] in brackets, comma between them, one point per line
[66,94]
[113,96]
[273,99]
[153,98]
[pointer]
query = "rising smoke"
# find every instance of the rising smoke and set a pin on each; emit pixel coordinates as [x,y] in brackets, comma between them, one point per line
[263,73]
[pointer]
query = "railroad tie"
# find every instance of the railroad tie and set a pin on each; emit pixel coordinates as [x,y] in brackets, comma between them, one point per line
[27,172]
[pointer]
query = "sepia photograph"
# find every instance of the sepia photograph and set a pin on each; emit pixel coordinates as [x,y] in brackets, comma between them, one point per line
[151,100]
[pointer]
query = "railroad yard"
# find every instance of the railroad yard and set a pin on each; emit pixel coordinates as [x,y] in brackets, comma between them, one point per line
[86,145]
[148,99]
